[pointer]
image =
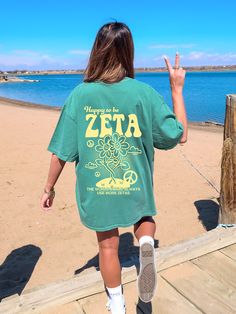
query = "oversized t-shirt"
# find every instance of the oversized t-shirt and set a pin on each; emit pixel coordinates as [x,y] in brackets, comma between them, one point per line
[110,132]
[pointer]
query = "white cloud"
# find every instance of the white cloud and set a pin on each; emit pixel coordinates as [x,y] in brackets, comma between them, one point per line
[79,52]
[210,58]
[159,58]
[37,60]
[25,52]
[171,46]
[199,58]
[141,62]
[194,55]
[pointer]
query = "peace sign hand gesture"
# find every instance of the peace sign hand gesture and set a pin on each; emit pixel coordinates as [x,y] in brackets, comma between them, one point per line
[176,75]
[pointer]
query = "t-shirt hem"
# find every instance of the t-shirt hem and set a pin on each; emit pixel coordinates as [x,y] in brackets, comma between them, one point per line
[120,224]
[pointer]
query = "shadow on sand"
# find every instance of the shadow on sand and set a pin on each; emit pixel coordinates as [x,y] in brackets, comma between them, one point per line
[208,211]
[17,269]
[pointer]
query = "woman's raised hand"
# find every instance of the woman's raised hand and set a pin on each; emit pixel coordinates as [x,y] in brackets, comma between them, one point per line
[176,75]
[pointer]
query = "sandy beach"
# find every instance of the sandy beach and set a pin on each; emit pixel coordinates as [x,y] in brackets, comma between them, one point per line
[39,247]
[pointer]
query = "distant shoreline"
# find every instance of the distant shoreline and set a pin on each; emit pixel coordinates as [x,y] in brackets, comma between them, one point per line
[229,68]
[211,125]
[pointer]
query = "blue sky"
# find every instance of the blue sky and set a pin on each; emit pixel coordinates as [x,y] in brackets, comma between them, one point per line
[59,34]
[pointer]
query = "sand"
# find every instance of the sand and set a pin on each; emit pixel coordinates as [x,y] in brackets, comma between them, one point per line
[39,247]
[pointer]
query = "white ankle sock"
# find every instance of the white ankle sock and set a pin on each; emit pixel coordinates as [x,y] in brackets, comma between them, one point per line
[146,238]
[115,291]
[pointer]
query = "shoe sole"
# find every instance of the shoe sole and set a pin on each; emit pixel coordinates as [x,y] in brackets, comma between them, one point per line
[147,278]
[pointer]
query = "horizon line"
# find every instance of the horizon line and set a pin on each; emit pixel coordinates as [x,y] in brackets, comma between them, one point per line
[135,68]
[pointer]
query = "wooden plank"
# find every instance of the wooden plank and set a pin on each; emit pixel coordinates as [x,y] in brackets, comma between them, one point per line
[208,294]
[54,294]
[230,251]
[79,307]
[164,301]
[167,300]
[218,266]
[189,249]
[95,304]
[69,308]
[80,286]
[195,247]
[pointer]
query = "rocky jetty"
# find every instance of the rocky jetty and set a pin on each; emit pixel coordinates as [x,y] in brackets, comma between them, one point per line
[8,79]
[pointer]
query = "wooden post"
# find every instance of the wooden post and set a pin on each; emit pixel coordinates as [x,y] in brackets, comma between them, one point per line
[227,213]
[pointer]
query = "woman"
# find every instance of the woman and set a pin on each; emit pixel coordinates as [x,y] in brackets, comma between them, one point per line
[109,125]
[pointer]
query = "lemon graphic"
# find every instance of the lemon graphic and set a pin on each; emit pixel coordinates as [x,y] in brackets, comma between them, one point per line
[130,177]
[90,143]
[107,184]
[97,174]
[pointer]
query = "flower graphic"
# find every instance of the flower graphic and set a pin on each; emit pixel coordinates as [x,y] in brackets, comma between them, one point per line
[119,145]
[104,147]
[113,150]
[113,162]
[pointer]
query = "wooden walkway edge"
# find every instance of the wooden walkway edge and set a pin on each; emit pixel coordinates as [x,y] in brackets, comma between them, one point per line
[65,291]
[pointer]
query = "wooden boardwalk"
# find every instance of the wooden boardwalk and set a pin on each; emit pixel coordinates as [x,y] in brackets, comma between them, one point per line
[194,276]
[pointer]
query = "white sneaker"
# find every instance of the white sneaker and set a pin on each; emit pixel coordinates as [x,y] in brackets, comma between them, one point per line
[115,308]
[147,278]
[116,304]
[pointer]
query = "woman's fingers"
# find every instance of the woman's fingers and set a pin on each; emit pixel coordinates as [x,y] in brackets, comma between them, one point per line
[169,66]
[46,202]
[176,74]
[177,60]
[177,63]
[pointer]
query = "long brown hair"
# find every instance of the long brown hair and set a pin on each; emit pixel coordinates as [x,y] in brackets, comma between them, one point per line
[112,54]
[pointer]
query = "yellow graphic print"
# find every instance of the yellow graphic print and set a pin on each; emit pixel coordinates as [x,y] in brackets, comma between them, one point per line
[104,122]
[112,148]
[90,143]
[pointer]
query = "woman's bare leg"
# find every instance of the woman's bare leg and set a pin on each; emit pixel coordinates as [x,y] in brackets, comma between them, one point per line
[109,263]
[145,226]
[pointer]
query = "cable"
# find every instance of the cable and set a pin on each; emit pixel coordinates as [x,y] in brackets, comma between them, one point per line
[201,174]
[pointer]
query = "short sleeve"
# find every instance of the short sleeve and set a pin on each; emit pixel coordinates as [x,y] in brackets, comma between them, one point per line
[166,129]
[64,142]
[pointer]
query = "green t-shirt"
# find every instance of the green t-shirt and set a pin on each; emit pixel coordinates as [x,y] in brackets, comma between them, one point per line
[110,131]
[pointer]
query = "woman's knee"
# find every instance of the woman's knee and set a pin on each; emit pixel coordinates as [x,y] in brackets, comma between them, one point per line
[108,240]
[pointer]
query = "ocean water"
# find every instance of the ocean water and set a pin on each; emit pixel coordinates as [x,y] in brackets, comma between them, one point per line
[204,92]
